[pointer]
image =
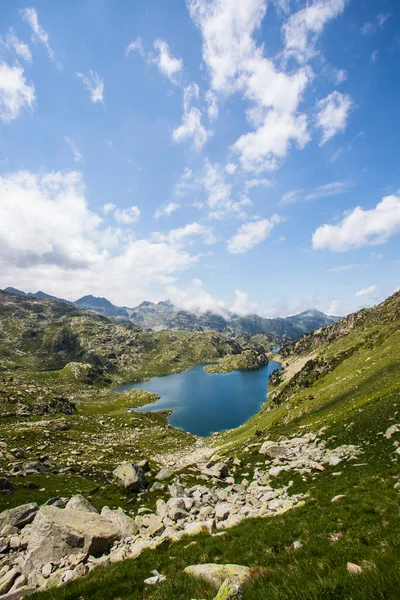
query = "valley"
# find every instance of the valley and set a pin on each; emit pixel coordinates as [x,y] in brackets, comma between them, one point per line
[306,487]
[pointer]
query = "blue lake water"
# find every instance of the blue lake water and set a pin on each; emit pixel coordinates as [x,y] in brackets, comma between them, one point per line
[204,403]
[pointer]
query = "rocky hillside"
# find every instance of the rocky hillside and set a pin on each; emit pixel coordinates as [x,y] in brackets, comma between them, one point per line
[299,502]
[164,316]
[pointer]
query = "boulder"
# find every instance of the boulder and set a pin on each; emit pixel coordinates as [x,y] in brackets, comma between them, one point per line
[78,502]
[391,431]
[8,579]
[218,470]
[118,519]
[56,533]
[19,516]
[199,527]
[216,574]
[6,487]
[176,508]
[164,474]
[129,476]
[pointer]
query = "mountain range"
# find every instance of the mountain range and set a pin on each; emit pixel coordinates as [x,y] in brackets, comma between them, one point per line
[165,316]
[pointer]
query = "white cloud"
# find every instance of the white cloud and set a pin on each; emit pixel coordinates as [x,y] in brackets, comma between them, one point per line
[212,102]
[329,189]
[195,298]
[108,208]
[191,126]
[136,46]
[241,305]
[49,239]
[366,291]
[167,210]
[257,182]
[126,216]
[166,63]
[94,85]
[39,34]
[332,114]
[335,308]
[333,188]
[374,56]
[341,268]
[15,93]
[20,48]
[261,150]
[230,168]
[250,234]
[361,227]
[186,234]
[236,63]
[380,20]
[77,155]
[304,27]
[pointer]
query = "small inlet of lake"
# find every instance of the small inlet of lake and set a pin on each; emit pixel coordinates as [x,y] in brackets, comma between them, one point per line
[204,403]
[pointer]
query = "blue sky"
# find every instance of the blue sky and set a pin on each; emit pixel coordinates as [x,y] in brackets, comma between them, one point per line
[225,154]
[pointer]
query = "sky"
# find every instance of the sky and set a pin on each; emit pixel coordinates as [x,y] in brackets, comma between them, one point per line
[234,155]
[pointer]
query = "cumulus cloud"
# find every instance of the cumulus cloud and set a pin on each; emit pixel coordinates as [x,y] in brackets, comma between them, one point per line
[212,101]
[127,216]
[50,239]
[191,127]
[361,227]
[366,291]
[235,63]
[250,234]
[76,154]
[94,85]
[38,33]
[19,47]
[304,27]
[167,210]
[332,114]
[15,93]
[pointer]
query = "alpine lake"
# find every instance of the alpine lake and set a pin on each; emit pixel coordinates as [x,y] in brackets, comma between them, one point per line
[203,403]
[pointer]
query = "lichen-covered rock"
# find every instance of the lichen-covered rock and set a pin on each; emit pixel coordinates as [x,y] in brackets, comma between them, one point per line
[229,591]
[216,574]
[130,476]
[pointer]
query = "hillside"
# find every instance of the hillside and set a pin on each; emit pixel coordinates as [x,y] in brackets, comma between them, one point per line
[304,494]
[164,316]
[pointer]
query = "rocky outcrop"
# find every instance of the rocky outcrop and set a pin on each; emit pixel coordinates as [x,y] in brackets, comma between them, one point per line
[19,516]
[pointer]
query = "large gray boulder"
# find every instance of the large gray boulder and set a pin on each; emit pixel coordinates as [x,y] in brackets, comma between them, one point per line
[19,516]
[164,474]
[78,502]
[130,476]
[57,532]
[122,523]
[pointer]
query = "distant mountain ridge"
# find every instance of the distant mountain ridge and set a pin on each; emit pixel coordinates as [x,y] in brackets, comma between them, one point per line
[164,316]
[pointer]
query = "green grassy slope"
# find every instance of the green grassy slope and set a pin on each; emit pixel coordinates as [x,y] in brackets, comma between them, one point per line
[350,396]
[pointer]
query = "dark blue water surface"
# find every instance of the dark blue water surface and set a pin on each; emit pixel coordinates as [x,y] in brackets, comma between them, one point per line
[202,402]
